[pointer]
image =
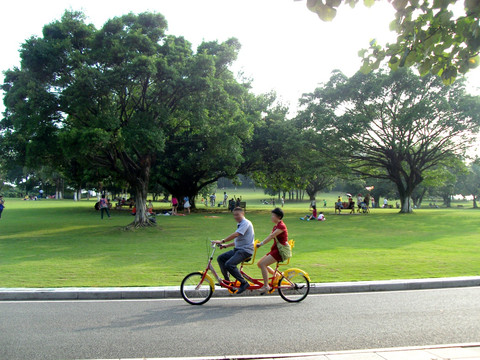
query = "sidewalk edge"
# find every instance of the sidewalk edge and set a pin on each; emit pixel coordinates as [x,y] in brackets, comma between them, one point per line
[169,292]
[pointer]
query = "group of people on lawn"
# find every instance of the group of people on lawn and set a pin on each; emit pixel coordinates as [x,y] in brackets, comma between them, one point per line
[363,203]
[243,241]
[104,206]
[186,205]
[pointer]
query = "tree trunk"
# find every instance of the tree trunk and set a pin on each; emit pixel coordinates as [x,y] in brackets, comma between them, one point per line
[407,204]
[447,200]
[141,218]
[475,206]
[311,192]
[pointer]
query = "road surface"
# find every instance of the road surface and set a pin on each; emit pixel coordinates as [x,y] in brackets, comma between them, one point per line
[231,326]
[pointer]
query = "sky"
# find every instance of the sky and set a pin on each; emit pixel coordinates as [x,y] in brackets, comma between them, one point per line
[285,47]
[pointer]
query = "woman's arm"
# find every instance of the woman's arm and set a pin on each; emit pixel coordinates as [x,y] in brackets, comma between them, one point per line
[270,237]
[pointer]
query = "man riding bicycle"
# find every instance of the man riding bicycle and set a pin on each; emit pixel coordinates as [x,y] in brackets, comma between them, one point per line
[244,247]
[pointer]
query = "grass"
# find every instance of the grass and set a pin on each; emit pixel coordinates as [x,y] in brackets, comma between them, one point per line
[61,243]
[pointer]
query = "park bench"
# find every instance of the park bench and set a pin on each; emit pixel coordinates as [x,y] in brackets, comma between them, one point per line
[119,206]
[346,206]
[243,205]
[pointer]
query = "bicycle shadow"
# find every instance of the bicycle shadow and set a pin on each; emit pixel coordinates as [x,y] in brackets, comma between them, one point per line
[184,314]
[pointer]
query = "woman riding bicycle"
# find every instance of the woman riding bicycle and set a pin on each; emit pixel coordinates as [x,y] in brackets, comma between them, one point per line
[280,232]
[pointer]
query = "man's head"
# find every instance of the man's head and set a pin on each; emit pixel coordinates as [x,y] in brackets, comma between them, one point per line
[238,214]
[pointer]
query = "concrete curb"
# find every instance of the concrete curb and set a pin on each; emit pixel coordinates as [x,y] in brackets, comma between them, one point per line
[351,354]
[169,292]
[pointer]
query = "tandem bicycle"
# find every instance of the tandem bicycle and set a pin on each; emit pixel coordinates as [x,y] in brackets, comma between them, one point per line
[293,284]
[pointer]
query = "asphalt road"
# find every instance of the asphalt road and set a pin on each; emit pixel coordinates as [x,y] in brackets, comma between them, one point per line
[231,326]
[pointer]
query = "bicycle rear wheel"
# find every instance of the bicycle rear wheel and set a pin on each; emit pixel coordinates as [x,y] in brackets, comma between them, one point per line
[193,292]
[295,288]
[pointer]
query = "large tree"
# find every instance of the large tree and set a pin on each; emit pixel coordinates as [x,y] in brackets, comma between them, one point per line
[393,126]
[210,142]
[122,96]
[441,37]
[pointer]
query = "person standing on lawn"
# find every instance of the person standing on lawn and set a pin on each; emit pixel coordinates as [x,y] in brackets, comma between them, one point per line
[225,198]
[2,205]
[244,238]
[104,207]
[280,233]
[174,205]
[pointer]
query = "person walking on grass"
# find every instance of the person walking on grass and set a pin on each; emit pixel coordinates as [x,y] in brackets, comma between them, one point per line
[280,233]
[104,207]
[2,205]
[186,204]
[225,198]
[243,249]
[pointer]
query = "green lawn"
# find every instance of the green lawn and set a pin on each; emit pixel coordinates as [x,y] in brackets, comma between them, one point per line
[62,243]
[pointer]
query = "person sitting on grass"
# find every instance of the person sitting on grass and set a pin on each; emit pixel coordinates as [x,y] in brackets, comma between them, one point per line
[313,216]
[244,238]
[280,233]
[351,203]
[321,217]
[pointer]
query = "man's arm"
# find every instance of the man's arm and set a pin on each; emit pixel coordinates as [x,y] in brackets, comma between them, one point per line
[227,240]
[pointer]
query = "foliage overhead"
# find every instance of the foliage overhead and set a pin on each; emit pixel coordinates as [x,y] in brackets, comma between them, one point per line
[441,37]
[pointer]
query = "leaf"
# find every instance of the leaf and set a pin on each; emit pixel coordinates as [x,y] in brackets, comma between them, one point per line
[368,3]
[472,5]
[473,62]
[440,4]
[326,13]
[410,59]
[365,69]
[449,75]
[400,4]
[394,25]
[311,4]
[425,67]
[361,53]
[333,3]
[404,57]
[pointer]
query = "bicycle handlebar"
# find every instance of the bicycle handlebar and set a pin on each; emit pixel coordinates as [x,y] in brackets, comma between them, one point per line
[212,244]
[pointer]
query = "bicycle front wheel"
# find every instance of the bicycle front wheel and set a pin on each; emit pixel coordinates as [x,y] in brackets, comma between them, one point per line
[295,288]
[194,291]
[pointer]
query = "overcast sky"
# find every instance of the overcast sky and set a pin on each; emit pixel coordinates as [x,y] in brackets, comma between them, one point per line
[285,47]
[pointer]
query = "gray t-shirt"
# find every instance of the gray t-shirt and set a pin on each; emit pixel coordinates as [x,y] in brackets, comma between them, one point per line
[247,236]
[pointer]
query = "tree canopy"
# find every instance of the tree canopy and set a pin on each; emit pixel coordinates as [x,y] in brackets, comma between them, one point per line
[129,99]
[393,126]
